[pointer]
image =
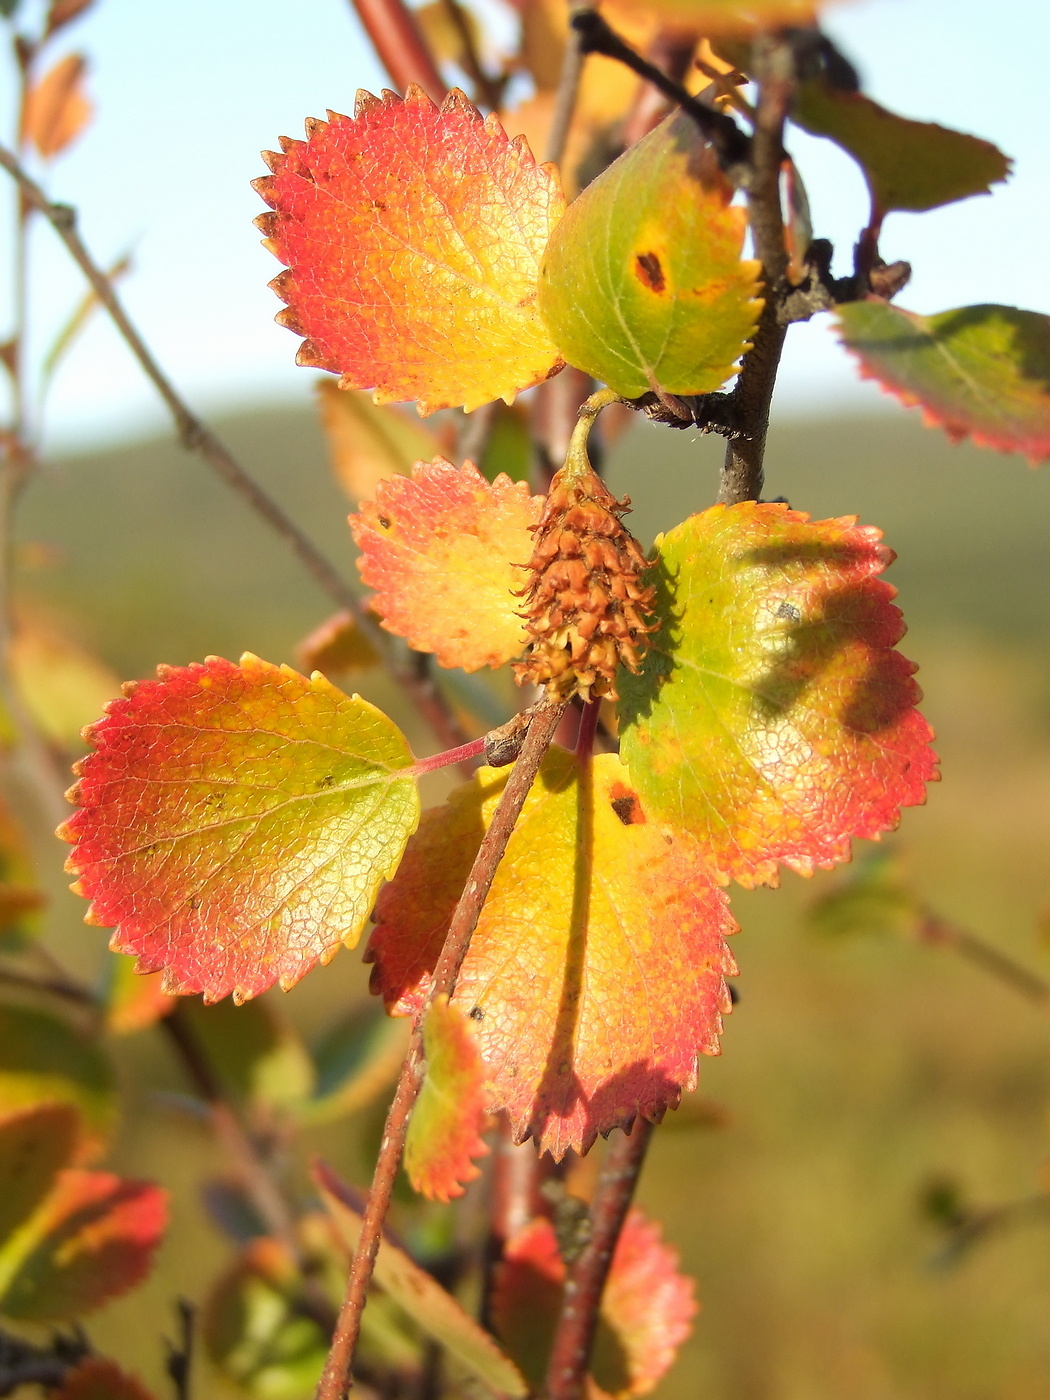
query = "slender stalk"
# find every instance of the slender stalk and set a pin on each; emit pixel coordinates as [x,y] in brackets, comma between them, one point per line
[399,43]
[742,472]
[336,1381]
[581,1301]
[197,437]
[58,986]
[941,933]
[565,98]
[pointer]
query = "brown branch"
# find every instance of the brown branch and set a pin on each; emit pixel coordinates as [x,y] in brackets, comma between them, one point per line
[941,933]
[581,1301]
[400,46]
[336,1381]
[742,472]
[197,437]
[565,98]
[56,986]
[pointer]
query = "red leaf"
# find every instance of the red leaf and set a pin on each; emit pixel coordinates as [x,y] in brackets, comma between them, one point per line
[981,371]
[646,1314]
[444,1132]
[445,552]
[92,1240]
[96,1378]
[236,821]
[593,984]
[413,238]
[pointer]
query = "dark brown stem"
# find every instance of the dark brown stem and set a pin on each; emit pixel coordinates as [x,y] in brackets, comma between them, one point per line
[57,986]
[196,437]
[742,473]
[336,1381]
[943,934]
[581,1301]
[400,46]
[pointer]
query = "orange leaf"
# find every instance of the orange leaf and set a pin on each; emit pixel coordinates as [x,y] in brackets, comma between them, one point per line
[723,17]
[444,1132]
[595,975]
[236,821]
[445,551]
[92,1240]
[412,239]
[369,443]
[56,109]
[646,1313]
[63,12]
[96,1378]
[134,1000]
[336,645]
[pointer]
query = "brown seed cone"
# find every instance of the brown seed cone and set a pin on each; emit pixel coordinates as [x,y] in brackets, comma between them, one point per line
[587,608]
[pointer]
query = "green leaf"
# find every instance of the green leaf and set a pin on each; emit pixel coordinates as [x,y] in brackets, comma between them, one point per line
[255,1051]
[642,284]
[508,447]
[354,1062]
[870,897]
[980,371]
[423,1298]
[45,1059]
[773,719]
[907,164]
[21,902]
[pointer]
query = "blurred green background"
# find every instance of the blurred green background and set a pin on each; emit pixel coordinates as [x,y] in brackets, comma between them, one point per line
[853,1072]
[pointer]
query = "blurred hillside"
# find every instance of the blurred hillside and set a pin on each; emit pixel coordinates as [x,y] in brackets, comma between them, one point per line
[852,1073]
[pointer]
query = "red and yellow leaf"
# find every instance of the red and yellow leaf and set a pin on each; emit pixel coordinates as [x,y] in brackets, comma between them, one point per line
[92,1240]
[981,371]
[444,1134]
[907,164]
[593,984]
[646,1314]
[34,1146]
[445,551]
[643,284]
[235,823]
[772,717]
[56,109]
[412,239]
[97,1378]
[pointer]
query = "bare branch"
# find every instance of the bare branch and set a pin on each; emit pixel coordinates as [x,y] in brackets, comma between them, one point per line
[400,45]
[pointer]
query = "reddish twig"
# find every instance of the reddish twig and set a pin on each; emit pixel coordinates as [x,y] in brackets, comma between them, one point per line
[941,933]
[581,1301]
[400,46]
[335,1383]
[197,437]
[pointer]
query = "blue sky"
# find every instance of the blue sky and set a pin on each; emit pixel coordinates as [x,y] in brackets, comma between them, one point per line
[189,91]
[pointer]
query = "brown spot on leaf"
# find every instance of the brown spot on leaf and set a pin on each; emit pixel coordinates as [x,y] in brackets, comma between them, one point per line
[625,804]
[649,272]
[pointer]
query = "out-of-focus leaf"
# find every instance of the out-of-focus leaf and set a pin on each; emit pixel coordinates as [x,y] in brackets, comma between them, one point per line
[646,1314]
[423,1298]
[354,1062]
[643,284]
[369,443]
[8,7]
[444,37]
[869,897]
[254,1050]
[444,1133]
[46,1060]
[133,1000]
[235,823]
[445,552]
[231,1210]
[34,1147]
[772,718]
[907,164]
[82,313]
[96,1378]
[256,1331]
[91,1240]
[21,901]
[56,109]
[62,684]
[63,12]
[981,371]
[722,17]
[594,978]
[508,448]
[412,239]
[337,646]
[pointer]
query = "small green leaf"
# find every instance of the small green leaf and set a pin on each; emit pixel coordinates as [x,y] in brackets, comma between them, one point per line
[981,371]
[255,1051]
[642,284]
[907,164]
[870,897]
[354,1062]
[508,447]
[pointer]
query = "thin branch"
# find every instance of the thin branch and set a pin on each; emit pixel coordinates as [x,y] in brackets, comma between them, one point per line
[336,1381]
[487,91]
[941,933]
[565,97]
[57,986]
[400,46]
[581,1301]
[742,472]
[197,437]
